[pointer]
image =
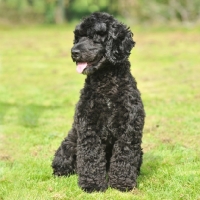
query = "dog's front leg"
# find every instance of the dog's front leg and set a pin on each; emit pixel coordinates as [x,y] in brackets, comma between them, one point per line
[91,163]
[124,165]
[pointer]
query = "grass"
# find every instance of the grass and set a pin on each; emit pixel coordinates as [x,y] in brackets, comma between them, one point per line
[39,88]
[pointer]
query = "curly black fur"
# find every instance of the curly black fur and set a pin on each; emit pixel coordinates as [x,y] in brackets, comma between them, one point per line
[104,145]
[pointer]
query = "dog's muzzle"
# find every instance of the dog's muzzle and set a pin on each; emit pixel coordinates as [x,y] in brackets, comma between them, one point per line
[76,54]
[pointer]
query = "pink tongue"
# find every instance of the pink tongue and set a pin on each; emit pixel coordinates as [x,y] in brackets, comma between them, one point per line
[80,67]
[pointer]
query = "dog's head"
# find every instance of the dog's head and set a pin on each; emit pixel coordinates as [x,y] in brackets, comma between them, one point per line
[100,38]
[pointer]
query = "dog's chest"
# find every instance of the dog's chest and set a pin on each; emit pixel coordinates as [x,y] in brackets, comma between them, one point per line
[108,93]
[108,102]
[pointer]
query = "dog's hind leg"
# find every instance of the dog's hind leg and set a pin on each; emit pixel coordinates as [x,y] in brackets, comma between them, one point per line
[64,162]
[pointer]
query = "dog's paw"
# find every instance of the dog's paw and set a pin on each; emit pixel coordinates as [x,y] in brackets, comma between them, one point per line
[94,188]
[62,171]
[124,187]
[91,186]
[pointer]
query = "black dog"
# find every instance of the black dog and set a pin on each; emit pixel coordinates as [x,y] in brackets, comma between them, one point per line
[104,145]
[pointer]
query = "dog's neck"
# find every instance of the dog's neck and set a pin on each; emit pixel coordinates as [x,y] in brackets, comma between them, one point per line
[106,73]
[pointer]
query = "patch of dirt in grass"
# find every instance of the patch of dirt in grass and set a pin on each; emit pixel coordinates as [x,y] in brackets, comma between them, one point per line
[148,146]
[59,196]
[8,148]
[135,191]
[166,140]
[5,157]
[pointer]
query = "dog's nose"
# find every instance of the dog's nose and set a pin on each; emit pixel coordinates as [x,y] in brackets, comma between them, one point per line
[75,53]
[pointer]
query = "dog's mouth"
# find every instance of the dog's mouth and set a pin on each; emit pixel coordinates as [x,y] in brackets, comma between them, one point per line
[80,66]
[89,67]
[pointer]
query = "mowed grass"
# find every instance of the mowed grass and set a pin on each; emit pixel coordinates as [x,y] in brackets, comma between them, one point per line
[39,88]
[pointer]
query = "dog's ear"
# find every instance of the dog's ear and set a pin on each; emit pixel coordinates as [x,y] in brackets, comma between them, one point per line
[119,43]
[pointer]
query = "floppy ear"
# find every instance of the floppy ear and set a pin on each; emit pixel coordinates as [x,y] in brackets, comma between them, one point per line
[119,43]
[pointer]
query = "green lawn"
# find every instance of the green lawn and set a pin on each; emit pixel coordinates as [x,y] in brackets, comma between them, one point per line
[39,88]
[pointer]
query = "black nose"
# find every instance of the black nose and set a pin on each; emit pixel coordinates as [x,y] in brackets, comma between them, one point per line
[75,53]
